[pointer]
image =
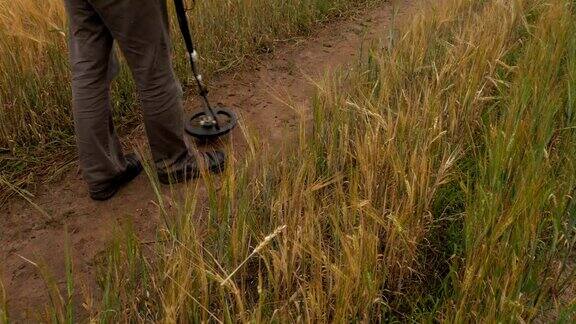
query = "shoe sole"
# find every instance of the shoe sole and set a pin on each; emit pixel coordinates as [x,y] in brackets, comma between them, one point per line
[121,182]
[180,177]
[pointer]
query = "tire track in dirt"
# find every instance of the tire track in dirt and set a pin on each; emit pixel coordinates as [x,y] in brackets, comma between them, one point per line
[257,93]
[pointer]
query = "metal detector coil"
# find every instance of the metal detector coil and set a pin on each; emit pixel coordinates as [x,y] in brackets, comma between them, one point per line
[204,127]
[210,123]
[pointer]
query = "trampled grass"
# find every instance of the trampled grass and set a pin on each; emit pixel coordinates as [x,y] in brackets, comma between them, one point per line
[36,128]
[436,183]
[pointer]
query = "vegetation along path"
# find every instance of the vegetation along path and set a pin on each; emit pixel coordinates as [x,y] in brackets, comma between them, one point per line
[265,94]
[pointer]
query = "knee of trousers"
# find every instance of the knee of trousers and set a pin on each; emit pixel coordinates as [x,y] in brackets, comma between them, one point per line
[161,92]
[90,100]
[90,83]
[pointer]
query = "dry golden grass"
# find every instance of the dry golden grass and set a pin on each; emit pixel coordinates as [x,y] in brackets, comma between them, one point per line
[435,184]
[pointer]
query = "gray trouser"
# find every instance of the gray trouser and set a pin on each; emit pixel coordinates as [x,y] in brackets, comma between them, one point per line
[140,28]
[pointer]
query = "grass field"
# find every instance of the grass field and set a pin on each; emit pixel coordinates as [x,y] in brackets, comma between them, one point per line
[435,183]
[36,132]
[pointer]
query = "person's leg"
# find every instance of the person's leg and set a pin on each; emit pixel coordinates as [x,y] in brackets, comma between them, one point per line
[139,27]
[93,68]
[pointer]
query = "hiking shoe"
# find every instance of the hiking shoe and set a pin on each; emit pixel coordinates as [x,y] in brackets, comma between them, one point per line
[133,169]
[213,161]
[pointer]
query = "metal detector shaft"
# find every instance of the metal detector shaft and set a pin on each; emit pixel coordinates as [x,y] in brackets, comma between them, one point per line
[193,56]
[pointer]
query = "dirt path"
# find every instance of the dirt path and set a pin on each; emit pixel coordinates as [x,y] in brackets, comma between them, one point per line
[256,93]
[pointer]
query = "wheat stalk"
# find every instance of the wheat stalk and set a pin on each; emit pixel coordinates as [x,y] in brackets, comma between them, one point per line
[259,248]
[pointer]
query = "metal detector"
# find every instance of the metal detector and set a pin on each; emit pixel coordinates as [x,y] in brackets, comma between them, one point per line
[210,123]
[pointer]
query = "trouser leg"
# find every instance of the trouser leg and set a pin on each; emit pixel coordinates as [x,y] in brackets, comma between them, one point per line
[93,68]
[140,28]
